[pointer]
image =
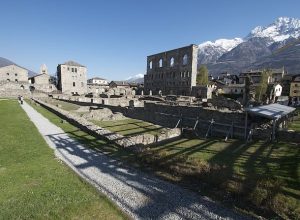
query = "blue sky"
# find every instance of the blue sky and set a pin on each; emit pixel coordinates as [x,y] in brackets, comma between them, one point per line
[113,37]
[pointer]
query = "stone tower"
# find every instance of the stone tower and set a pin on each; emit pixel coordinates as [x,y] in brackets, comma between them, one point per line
[43,69]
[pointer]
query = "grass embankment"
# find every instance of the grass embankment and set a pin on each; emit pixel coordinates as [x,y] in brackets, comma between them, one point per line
[34,184]
[263,178]
[130,127]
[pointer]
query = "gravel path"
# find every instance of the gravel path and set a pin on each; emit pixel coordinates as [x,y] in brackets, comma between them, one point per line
[140,195]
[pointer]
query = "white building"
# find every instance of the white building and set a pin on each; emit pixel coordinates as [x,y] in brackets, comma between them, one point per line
[98,81]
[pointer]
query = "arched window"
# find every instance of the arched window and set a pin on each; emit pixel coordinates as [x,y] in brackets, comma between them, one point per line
[150,65]
[160,63]
[185,59]
[172,62]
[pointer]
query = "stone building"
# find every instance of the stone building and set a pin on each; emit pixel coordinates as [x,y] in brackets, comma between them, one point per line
[42,82]
[236,89]
[13,79]
[172,72]
[295,89]
[13,73]
[119,84]
[204,92]
[72,78]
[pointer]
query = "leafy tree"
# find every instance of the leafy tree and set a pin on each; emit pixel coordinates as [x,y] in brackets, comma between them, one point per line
[202,76]
[261,89]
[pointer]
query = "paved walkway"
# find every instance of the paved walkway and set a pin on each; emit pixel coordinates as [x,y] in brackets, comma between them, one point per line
[141,195]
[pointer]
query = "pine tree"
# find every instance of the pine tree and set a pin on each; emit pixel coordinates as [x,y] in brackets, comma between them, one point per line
[202,76]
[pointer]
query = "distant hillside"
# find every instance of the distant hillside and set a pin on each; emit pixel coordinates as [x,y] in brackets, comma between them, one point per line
[288,56]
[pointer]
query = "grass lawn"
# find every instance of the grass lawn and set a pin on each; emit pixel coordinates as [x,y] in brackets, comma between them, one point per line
[34,184]
[295,125]
[130,127]
[263,178]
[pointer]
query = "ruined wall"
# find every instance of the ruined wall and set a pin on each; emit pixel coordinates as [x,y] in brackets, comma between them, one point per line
[172,72]
[13,89]
[168,116]
[132,141]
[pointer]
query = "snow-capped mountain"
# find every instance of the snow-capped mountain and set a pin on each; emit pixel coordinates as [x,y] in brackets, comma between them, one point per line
[261,42]
[210,52]
[282,29]
[139,78]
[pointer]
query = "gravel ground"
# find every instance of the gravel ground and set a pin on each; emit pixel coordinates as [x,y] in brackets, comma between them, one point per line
[140,195]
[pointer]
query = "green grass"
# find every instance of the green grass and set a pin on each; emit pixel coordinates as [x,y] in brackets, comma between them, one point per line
[34,184]
[295,125]
[263,178]
[130,127]
[63,105]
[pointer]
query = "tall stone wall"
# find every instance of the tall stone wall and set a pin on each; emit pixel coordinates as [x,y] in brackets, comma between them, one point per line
[14,89]
[172,72]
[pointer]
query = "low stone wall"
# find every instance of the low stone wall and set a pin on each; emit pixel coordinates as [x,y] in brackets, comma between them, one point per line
[290,136]
[120,102]
[133,141]
[168,116]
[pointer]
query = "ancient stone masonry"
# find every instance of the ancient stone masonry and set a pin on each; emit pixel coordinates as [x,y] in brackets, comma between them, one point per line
[13,89]
[72,78]
[132,142]
[172,72]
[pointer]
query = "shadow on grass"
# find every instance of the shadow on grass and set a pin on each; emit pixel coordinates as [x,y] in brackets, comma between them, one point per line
[162,197]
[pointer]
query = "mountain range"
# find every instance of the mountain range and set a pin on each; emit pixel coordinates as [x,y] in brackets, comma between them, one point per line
[272,46]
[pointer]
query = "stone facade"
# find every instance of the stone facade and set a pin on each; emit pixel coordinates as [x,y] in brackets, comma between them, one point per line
[42,81]
[13,73]
[295,89]
[172,72]
[72,78]
[204,92]
[96,88]
[14,89]
[237,89]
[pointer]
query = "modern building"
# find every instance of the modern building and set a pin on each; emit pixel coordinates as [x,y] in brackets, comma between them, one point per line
[97,81]
[72,78]
[172,72]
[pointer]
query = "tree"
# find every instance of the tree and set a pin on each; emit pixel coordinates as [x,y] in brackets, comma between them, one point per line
[202,76]
[261,89]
